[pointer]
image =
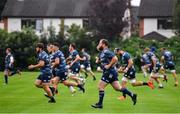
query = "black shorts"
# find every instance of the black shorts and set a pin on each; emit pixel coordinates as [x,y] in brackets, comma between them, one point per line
[62,75]
[109,76]
[45,78]
[131,73]
[158,66]
[75,69]
[169,65]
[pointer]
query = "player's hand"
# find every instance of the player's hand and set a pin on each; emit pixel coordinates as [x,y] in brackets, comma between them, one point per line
[31,67]
[126,70]
[107,66]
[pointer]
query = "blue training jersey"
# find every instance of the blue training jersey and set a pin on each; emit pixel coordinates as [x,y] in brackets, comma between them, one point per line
[105,58]
[168,57]
[125,58]
[145,59]
[72,56]
[62,65]
[87,57]
[43,56]
[8,60]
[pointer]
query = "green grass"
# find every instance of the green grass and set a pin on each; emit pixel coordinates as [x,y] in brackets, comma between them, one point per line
[21,96]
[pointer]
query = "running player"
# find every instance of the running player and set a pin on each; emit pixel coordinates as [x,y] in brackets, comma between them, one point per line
[9,66]
[110,75]
[168,63]
[86,65]
[154,68]
[61,72]
[129,70]
[43,80]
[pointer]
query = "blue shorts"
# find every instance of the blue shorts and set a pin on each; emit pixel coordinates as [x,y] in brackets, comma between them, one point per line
[109,76]
[45,77]
[131,73]
[75,69]
[62,75]
[86,65]
[10,68]
[158,66]
[169,65]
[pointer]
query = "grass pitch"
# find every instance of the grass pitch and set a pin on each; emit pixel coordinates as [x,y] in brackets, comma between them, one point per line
[21,96]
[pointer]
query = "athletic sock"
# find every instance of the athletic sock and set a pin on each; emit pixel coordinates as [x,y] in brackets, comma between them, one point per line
[86,75]
[6,79]
[145,83]
[101,97]
[13,73]
[126,92]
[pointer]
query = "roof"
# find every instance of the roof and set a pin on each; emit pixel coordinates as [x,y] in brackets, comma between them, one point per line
[157,8]
[154,36]
[46,8]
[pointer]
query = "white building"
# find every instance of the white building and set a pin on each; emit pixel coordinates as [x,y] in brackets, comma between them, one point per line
[40,14]
[156,18]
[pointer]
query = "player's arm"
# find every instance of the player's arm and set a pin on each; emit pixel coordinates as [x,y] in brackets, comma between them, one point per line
[77,59]
[162,60]
[153,62]
[11,61]
[97,60]
[130,64]
[113,61]
[56,62]
[40,64]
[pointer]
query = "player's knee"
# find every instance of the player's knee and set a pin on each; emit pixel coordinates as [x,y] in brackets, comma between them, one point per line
[133,84]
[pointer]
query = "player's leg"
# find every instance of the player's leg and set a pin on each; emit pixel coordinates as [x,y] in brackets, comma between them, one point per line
[73,84]
[84,71]
[101,87]
[6,76]
[125,91]
[123,85]
[175,77]
[38,83]
[55,82]
[88,69]
[46,87]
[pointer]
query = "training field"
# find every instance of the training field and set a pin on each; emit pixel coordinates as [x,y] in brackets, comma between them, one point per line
[21,96]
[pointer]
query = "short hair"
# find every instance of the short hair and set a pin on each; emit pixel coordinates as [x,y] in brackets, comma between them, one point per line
[105,42]
[117,49]
[162,49]
[40,45]
[73,45]
[9,49]
[56,44]
[147,49]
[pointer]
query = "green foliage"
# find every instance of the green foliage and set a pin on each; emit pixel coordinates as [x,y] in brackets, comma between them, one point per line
[22,45]
[176,20]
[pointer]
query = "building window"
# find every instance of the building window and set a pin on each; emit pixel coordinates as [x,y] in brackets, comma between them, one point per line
[36,24]
[85,23]
[164,24]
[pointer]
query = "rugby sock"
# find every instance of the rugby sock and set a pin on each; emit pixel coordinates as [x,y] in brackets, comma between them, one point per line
[145,83]
[80,86]
[86,74]
[71,89]
[13,73]
[126,92]
[6,79]
[101,97]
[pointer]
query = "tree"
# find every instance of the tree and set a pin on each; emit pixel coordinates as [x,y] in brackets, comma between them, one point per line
[176,21]
[106,16]
[2,4]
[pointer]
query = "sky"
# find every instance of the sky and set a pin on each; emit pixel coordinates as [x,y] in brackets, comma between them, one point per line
[136,2]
